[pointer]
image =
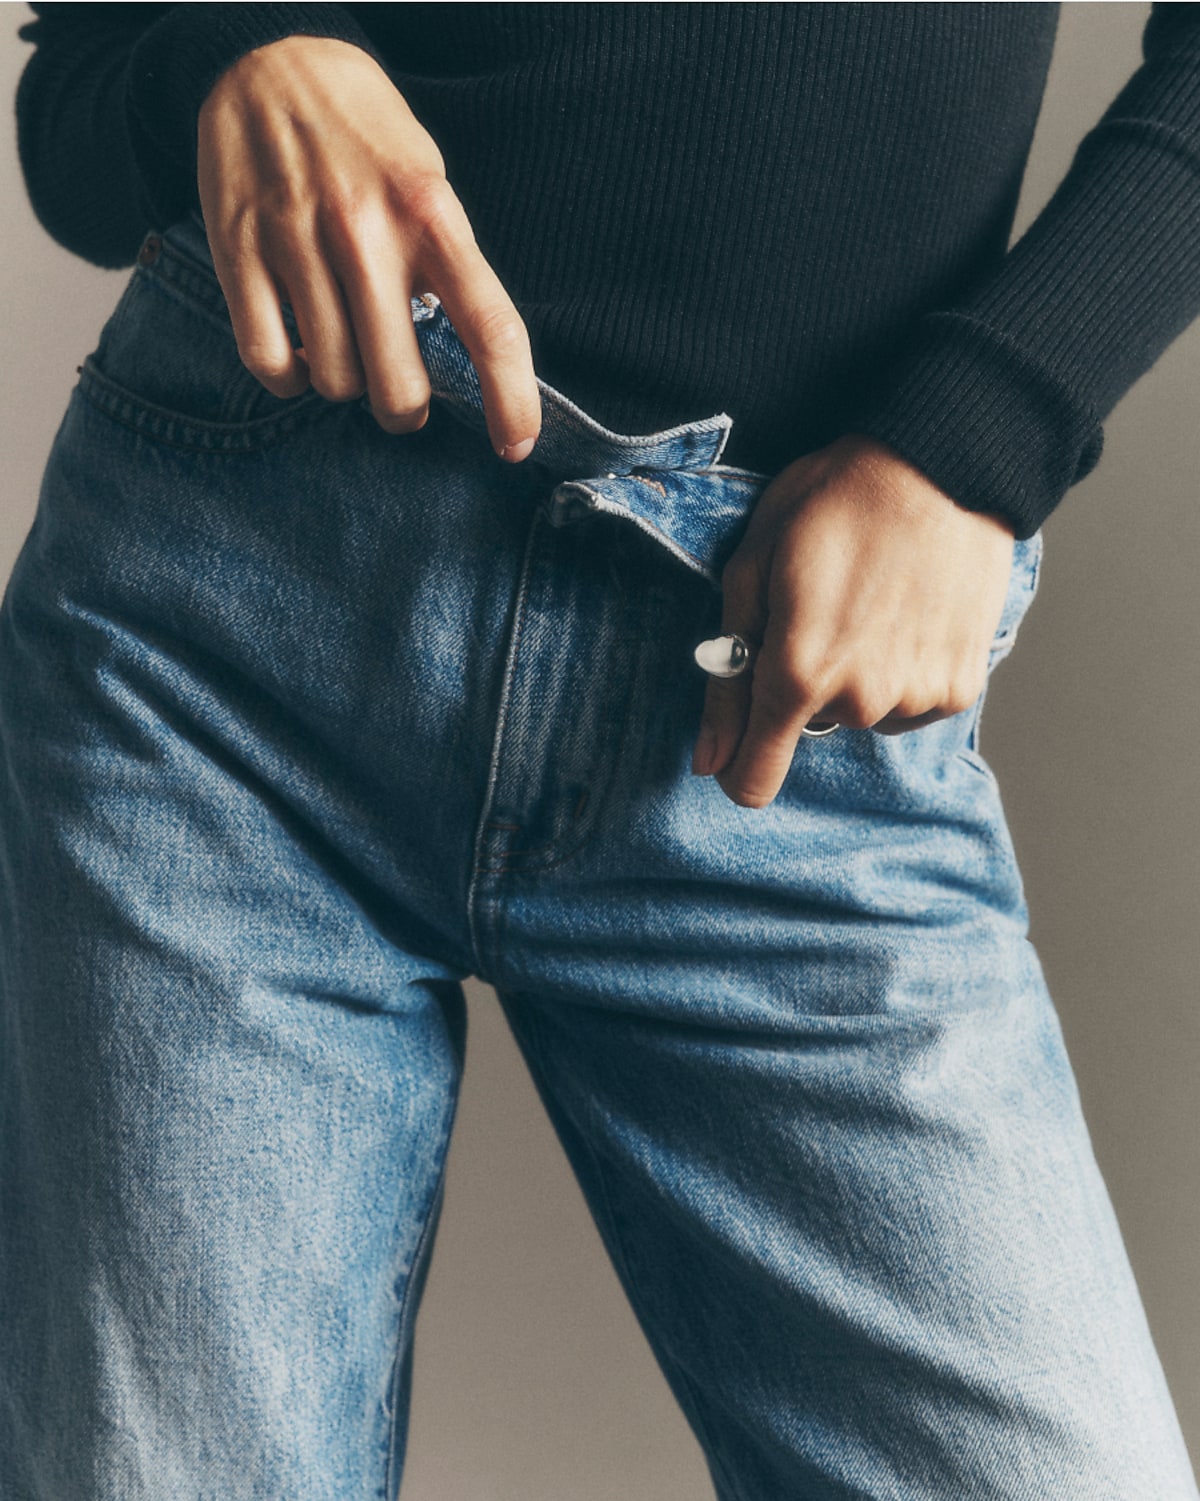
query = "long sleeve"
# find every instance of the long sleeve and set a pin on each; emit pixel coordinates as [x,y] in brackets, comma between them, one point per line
[844,176]
[999,398]
[108,104]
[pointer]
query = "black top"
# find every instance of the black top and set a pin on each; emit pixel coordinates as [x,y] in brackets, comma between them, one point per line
[797,214]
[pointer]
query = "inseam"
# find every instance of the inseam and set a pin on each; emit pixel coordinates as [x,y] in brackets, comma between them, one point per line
[406,1315]
[620,1259]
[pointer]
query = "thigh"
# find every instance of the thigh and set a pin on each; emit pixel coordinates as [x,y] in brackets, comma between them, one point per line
[231,1024]
[805,1065]
[225,1104]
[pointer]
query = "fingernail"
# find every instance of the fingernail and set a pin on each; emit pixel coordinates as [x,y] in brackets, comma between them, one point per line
[515,452]
[704,757]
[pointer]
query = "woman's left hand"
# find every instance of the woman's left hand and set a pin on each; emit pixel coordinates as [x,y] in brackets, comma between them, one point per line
[872,599]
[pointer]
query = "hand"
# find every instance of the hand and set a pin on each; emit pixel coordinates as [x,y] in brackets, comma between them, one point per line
[320,188]
[875,599]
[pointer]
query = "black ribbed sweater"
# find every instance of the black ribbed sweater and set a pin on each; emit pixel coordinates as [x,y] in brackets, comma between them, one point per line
[797,214]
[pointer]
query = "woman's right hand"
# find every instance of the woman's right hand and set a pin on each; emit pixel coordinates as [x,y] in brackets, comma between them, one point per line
[319,188]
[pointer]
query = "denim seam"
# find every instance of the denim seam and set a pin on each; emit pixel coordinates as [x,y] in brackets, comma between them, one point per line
[186,291]
[970,753]
[712,1449]
[480,865]
[406,1314]
[190,434]
[572,841]
[702,440]
[195,282]
[1028,588]
[675,549]
[199,285]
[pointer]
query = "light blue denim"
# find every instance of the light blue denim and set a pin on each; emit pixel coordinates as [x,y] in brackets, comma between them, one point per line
[302,724]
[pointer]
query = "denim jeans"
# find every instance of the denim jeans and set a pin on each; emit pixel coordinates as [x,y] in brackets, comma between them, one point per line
[303,723]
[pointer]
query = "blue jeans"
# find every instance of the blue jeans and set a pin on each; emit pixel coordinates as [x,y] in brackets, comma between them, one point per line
[302,724]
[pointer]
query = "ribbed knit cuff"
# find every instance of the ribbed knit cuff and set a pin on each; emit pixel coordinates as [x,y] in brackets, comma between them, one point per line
[984,422]
[175,65]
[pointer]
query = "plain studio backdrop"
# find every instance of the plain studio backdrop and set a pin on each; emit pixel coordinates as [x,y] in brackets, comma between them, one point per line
[533,1382]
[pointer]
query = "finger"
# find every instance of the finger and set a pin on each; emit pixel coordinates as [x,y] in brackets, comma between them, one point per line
[957,698]
[900,725]
[726,709]
[323,319]
[254,310]
[781,705]
[378,296]
[782,701]
[727,700]
[496,339]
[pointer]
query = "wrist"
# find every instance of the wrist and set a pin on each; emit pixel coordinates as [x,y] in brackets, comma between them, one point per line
[277,68]
[907,483]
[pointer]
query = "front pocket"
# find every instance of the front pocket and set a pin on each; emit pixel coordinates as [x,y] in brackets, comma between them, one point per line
[180,430]
[1022,587]
[167,365]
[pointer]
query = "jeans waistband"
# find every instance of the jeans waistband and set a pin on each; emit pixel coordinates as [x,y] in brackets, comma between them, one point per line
[669,484]
[571,441]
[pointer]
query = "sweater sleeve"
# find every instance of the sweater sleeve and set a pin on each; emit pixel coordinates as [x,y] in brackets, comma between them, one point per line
[1000,398]
[107,109]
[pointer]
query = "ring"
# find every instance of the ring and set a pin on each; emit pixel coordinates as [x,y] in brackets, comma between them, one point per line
[724,656]
[730,656]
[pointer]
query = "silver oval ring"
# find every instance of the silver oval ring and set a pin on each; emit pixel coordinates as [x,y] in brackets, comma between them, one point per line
[729,657]
[725,656]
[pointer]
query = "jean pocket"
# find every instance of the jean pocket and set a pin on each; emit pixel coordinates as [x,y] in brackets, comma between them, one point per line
[1022,587]
[167,363]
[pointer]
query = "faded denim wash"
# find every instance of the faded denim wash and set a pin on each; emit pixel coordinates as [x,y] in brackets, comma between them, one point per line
[302,724]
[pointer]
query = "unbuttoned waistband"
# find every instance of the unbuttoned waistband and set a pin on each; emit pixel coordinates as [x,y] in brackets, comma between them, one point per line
[669,483]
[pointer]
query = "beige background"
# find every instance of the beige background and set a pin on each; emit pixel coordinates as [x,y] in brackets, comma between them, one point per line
[533,1382]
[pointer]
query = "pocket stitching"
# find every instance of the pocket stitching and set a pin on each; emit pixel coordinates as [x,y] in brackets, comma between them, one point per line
[174,430]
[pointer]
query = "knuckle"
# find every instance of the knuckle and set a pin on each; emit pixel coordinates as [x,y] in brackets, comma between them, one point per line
[805,675]
[403,416]
[853,714]
[357,228]
[859,709]
[780,687]
[282,218]
[502,331]
[343,204]
[961,694]
[338,385]
[912,706]
[347,229]
[267,364]
[411,423]
[402,402]
[433,207]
